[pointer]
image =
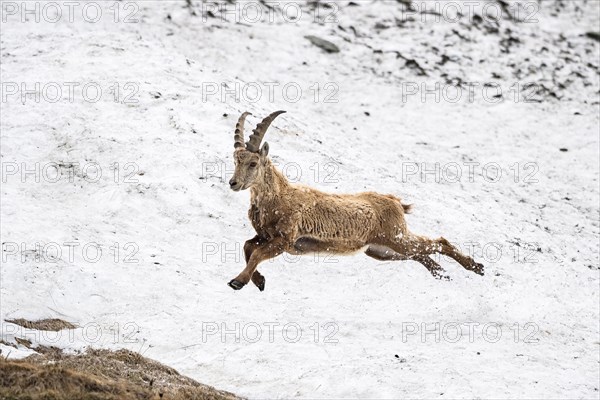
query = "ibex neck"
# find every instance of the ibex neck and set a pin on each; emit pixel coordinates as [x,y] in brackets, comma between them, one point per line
[271,185]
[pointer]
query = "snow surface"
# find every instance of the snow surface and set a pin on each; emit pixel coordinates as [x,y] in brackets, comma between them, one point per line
[528,329]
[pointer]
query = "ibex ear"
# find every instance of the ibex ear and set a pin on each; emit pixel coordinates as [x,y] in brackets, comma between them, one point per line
[264,150]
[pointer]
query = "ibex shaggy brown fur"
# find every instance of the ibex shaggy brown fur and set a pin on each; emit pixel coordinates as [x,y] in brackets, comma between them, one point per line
[298,219]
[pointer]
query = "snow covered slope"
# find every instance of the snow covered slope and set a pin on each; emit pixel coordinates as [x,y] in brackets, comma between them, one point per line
[117,216]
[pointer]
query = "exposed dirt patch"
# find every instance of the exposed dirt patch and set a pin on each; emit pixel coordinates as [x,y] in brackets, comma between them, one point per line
[98,374]
[4,342]
[53,324]
[23,342]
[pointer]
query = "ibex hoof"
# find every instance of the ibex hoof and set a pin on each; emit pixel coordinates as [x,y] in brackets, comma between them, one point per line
[235,284]
[259,281]
[478,269]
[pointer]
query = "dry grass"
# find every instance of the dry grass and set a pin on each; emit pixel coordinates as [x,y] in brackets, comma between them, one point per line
[98,375]
[53,324]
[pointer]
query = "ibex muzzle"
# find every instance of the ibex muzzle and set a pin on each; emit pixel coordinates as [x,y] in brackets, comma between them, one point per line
[298,220]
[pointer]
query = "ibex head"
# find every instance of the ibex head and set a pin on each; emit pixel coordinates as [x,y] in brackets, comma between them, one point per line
[250,158]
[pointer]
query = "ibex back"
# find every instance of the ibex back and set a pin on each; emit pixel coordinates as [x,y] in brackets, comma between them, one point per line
[298,219]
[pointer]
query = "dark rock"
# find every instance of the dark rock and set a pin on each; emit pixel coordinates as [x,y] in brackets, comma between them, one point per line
[593,35]
[323,44]
[415,66]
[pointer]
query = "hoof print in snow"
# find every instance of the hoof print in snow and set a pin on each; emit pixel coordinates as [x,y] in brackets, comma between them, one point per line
[235,284]
[323,44]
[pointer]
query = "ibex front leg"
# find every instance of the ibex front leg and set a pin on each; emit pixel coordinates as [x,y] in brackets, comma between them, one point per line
[262,252]
[249,248]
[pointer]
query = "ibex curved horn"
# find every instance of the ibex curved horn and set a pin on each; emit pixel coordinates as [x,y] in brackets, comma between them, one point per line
[253,143]
[239,131]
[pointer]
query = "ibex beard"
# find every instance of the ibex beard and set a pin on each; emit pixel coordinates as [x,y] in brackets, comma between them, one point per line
[297,219]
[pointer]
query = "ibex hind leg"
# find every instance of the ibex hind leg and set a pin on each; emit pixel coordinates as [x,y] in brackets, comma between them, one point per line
[447,249]
[415,247]
[434,268]
[385,253]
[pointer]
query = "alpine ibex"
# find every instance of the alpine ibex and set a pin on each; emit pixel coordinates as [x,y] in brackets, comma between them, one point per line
[298,219]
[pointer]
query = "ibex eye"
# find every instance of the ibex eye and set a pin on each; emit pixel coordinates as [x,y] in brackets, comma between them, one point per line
[253,165]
